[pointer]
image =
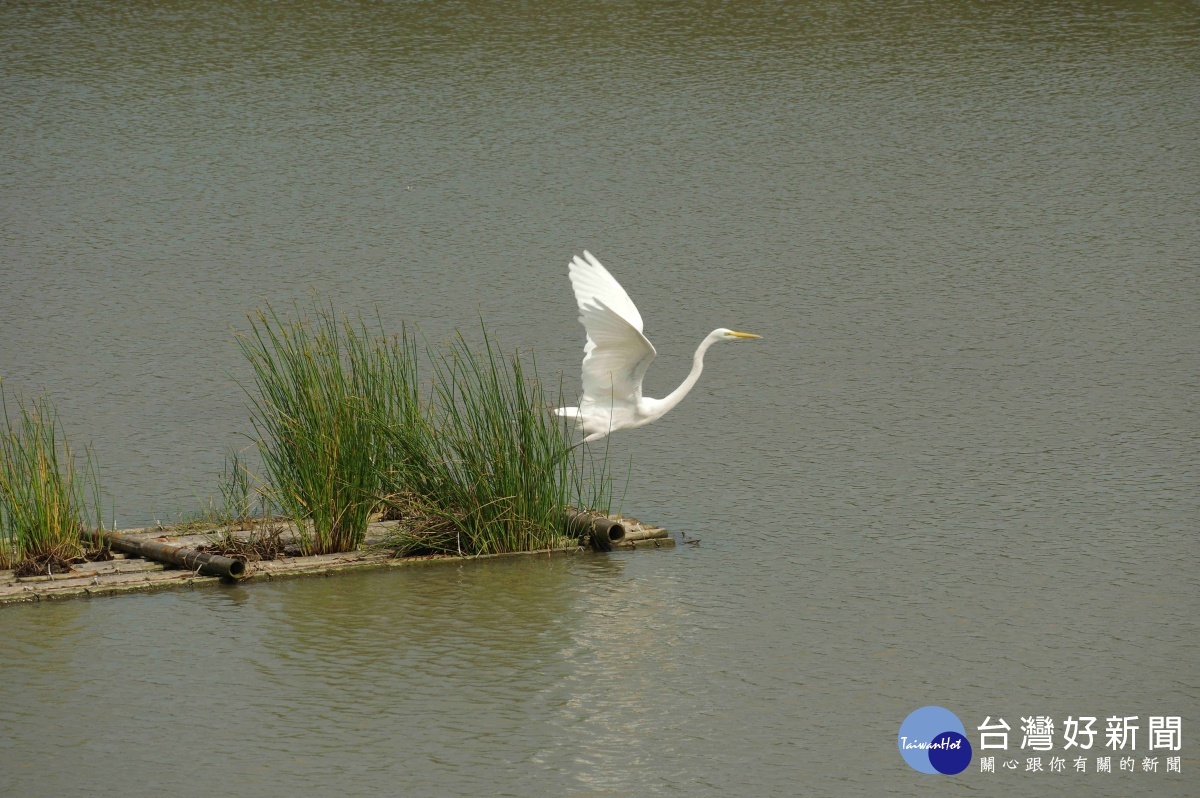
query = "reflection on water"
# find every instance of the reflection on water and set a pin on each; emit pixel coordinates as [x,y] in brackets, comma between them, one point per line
[961,469]
[314,678]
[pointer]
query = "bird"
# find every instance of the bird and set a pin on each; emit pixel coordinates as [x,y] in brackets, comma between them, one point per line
[617,354]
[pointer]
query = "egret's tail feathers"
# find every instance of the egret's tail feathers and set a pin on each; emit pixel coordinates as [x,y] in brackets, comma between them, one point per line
[569,412]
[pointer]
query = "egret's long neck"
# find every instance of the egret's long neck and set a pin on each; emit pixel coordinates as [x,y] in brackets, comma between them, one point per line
[676,396]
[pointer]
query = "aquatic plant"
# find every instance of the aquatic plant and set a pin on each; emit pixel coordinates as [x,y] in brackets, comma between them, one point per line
[237,498]
[236,507]
[315,414]
[480,467]
[489,468]
[45,502]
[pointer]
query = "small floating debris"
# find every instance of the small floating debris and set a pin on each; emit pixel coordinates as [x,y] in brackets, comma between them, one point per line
[157,558]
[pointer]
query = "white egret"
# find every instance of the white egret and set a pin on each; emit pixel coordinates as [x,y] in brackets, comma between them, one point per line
[617,355]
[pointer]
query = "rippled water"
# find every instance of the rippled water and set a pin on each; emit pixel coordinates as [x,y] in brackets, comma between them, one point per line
[959,469]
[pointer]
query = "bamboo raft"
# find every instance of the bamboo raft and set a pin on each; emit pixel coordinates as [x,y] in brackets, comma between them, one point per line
[158,558]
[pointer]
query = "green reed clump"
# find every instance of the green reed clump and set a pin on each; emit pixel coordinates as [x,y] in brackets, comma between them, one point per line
[503,466]
[482,466]
[320,384]
[45,502]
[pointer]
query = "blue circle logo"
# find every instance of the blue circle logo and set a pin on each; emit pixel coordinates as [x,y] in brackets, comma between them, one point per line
[933,740]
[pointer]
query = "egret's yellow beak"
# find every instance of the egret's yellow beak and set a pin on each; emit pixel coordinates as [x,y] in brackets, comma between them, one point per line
[737,334]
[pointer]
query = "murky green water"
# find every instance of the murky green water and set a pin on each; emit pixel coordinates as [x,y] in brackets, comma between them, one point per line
[960,469]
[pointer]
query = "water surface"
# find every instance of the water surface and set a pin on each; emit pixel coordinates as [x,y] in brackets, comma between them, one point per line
[960,468]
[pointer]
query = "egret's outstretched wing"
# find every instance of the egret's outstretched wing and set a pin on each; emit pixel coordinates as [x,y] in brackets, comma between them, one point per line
[617,354]
[616,357]
[593,283]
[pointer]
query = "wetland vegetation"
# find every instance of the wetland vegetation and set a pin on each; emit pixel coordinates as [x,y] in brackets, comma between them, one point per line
[458,444]
[47,496]
[473,459]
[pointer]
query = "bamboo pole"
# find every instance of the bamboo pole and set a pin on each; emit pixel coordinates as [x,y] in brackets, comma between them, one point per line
[600,530]
[205,563]
[646,533]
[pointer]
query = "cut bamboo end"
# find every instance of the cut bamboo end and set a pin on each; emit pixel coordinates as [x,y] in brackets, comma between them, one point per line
[604,533]
[600,530]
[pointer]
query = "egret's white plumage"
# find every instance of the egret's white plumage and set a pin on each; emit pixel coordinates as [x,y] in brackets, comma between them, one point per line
[617,354]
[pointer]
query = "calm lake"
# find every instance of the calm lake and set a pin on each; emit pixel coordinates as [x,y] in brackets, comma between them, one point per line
[961,468]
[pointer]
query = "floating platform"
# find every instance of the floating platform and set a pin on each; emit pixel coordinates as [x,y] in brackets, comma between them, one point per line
[127,573]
